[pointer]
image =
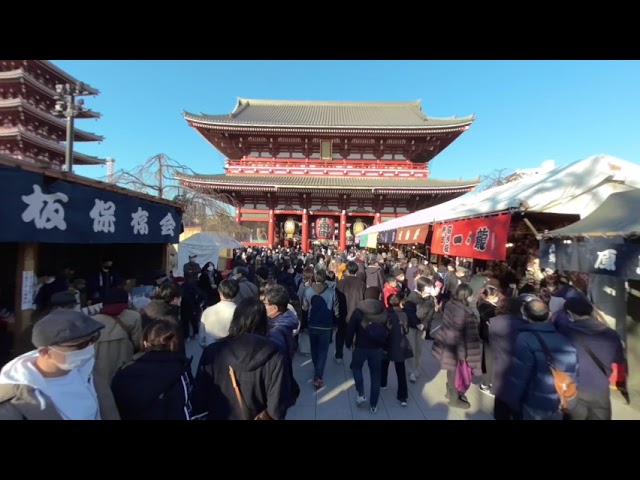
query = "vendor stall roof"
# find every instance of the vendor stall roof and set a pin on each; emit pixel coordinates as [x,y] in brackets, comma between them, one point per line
[616,217]
[575,189]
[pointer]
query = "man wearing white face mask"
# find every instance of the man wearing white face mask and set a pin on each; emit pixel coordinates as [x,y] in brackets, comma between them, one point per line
[56,381]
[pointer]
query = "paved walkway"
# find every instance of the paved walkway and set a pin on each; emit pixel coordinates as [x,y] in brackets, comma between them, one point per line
[336,400]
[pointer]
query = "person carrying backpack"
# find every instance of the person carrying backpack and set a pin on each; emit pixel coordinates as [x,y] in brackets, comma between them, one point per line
[368,331]
[541,383]
[322,303]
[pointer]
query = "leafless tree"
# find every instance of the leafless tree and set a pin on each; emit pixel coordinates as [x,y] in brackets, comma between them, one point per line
[157,177]
[494,179]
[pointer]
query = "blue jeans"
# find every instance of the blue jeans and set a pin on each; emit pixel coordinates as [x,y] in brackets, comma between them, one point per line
[319,340]
[373,357]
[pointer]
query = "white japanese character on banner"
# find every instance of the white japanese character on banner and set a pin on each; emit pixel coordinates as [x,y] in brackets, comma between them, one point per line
[104,216]
[552,254]
[168,225]
[638,269]
[139,222]
[606,260]
[43,209]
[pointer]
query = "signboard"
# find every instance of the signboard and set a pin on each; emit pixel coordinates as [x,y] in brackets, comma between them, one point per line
[387,237]
[36,208]
[600,256]
[411,235]
[28,290]
[479,238]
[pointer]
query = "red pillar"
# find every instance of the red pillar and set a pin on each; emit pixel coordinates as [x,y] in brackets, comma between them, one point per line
[305,230]
[343,231]
[272,227]
[377,219]
[238,215]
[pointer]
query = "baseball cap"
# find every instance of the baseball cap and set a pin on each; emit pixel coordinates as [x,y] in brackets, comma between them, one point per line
[578,306]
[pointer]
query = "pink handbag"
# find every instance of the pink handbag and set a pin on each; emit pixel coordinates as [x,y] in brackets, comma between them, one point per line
[464,376]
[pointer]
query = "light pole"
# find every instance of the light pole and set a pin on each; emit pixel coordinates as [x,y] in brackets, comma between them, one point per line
[66,106]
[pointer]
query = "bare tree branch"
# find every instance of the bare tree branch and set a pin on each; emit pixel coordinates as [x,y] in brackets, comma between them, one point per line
[157,177]
[494,179]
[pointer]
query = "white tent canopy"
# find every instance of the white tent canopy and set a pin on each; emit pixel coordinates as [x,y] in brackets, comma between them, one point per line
[207,246]
[576,189]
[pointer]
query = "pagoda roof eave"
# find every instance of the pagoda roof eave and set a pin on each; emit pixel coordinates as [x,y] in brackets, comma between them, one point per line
[19,134]
[20,74]
[80,135]
[67,77]
[439,125]
[288,183]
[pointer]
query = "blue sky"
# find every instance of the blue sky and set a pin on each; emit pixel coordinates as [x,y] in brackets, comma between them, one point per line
[527,111]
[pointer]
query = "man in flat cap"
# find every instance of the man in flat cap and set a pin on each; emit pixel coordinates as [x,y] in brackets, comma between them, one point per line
[56,381]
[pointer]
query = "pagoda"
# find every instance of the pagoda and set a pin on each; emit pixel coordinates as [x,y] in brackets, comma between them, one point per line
[28,129]
[303,171]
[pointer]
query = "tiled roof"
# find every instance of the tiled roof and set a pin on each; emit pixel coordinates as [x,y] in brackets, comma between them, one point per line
[79,135]
[308,114]
[328,182]
[78,158]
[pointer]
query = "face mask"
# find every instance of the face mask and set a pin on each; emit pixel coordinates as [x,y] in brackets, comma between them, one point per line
[210,268]
[76,359]
[233,277]
[106,268]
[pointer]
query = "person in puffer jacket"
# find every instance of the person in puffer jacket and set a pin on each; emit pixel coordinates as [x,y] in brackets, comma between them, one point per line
[282,324]
[322,318]
[367,349]
[529,386]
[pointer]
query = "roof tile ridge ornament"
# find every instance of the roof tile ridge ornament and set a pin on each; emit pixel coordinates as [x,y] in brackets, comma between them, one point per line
[245,102]
[240,106]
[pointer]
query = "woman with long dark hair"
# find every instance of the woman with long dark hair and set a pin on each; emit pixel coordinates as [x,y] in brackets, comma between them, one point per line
[243,376]
[458,340]
[208,282]
[156,384]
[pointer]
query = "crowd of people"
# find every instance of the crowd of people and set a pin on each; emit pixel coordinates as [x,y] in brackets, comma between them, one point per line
[541,350]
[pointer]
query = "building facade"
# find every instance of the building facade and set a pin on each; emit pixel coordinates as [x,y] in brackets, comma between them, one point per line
[304,172]
[28,129]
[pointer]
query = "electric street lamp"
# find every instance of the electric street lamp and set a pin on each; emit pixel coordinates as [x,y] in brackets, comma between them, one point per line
[67,106]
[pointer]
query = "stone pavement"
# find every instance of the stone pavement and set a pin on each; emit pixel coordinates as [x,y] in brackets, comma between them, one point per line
[336,400]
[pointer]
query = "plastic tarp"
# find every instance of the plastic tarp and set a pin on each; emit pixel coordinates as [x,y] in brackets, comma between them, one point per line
[576,189]
[207,246]
[616,217]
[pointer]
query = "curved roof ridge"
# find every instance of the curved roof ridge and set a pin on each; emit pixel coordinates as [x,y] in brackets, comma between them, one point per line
[243,102]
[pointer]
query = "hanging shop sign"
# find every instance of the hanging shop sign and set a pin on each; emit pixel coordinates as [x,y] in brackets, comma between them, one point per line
[325,228]
[603,256]
[479,238]
[387,237]
[41,209]
[411,235]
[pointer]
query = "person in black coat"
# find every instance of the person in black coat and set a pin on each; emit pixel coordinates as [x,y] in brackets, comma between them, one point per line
[350,292]
[208,282]
[156,384]
[487,303]
[243,376]
[397,349]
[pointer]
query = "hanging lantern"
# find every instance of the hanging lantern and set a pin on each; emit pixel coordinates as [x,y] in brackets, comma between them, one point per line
[358,227]
[290,227]
[325,228]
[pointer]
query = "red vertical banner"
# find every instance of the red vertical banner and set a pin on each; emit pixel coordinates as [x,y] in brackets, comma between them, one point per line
[481,238]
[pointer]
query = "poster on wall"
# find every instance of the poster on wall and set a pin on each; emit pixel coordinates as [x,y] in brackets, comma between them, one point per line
[478,238]
[28,290]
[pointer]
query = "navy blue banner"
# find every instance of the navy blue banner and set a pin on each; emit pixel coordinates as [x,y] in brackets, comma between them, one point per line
[602,256]
[387,237]
[41,209]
